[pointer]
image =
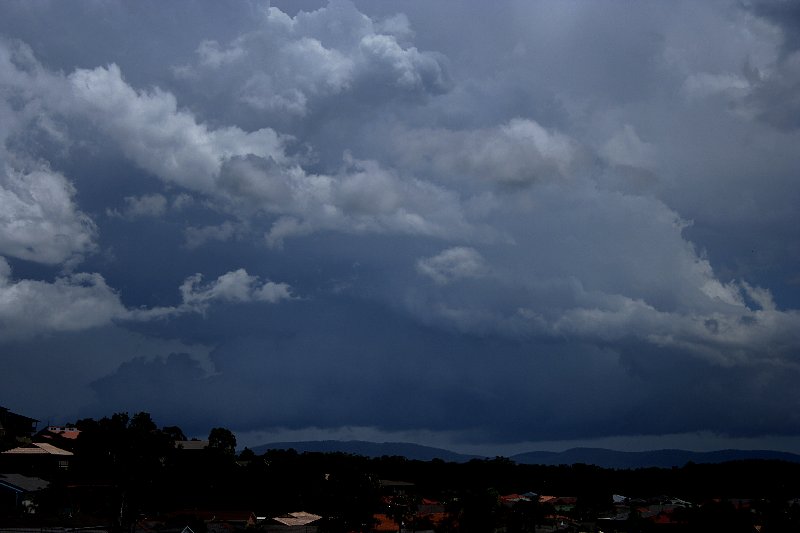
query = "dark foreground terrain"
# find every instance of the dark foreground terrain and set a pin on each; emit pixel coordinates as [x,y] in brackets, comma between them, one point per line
[125,473]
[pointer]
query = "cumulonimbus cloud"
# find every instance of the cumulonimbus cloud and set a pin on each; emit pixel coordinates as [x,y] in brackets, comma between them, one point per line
[249,173]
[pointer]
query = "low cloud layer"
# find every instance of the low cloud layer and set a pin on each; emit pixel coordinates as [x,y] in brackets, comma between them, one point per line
[547,225]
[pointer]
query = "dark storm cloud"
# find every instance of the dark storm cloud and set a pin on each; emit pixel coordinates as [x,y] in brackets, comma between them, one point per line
[394,375]
[785,15]
[502,222]
[773,98]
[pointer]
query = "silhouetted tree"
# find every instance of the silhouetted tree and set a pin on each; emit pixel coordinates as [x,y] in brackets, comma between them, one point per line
[479,511]
[174,433]
[222,439]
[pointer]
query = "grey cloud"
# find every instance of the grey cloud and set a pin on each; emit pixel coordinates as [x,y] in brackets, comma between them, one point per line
[197,236]
[39,219]
[71,303]
[252,170]
[624,271]
[84,301]
[518,152]
[627,148]
[477,387]
[570,210]
[453,264]
[237,286]
[291,65]
[154,133]
[148,205]
[773,97]
[74,359]
[765,83]
[785,15]
[429,379]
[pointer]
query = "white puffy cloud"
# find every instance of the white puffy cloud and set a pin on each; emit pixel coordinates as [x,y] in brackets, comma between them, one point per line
[83,301]
[363,198]
[39,220]
[618,269]
[705,84]
[248,174]
[518,152]
[235,286]
[71,303]
[158,136]
[738,335]
[453,264]
[291,65]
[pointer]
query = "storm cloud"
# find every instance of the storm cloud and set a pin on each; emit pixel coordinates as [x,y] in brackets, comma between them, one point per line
[484,224]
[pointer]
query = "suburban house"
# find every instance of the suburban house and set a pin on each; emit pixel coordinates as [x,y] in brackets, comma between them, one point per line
[14,427]
[64,432]
[35,458]
[191,445]
[18,493]
[297,522]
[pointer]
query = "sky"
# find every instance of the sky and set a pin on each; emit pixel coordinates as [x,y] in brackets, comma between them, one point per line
[486,226]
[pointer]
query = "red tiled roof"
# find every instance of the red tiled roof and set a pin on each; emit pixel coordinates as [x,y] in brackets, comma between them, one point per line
[511,498]
[384,523]
[65,432]
[437,518]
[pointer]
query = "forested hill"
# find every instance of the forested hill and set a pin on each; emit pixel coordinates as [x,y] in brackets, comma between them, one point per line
[601,457]
[656,458]
[411,451]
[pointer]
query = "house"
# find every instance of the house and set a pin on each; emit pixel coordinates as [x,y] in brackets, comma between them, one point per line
[18,493]
[64,432]
[296,522]
[14,427]
[191,445]
[510,499]
[64,437]
[389,486]
[35,458]
[564,504]
[384,523]
[227,521]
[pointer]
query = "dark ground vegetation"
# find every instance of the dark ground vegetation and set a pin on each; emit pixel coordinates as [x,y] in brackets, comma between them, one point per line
[126,469]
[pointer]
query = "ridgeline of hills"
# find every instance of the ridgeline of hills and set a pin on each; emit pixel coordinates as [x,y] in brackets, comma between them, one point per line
[414,452]
[601,457]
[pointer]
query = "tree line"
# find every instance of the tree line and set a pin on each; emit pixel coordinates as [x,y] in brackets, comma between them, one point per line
[127,467]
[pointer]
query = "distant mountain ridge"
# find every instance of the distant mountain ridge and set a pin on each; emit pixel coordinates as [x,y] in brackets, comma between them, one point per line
[601,457]
[371,449]
[655,458]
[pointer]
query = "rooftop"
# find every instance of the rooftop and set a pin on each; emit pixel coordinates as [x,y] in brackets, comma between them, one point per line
[37,448]
[300,518]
